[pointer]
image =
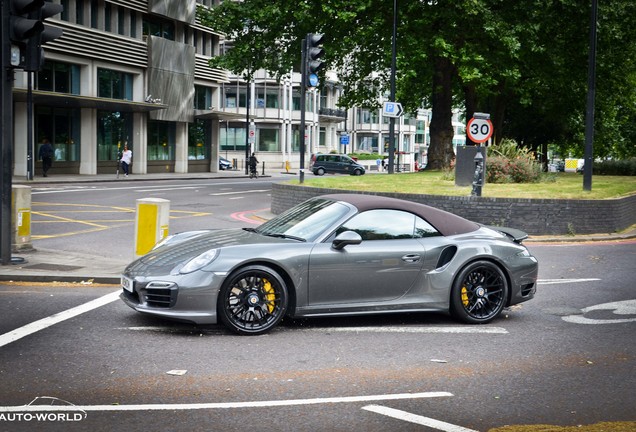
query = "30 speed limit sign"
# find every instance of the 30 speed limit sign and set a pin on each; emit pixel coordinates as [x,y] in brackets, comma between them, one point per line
[479,130]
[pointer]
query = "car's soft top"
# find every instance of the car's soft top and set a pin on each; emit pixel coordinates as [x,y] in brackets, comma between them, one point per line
[446,223]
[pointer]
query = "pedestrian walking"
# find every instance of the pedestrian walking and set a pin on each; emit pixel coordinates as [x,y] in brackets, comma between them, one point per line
[126,160]
[46,155]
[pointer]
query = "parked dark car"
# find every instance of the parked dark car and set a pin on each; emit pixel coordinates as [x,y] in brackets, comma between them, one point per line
[224,164]
[335,163]
[334,255]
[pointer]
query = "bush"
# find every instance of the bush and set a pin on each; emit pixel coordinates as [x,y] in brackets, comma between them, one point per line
[497,170]
[511,164]
[615,167]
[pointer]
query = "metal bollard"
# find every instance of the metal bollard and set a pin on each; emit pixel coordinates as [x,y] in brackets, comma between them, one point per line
[478,179]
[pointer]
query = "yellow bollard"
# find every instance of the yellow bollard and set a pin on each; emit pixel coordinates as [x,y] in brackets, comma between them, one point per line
[21,218]
[151,224]
[287,166]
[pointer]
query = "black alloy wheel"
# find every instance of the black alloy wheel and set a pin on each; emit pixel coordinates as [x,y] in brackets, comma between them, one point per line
[479,293]
[252,300]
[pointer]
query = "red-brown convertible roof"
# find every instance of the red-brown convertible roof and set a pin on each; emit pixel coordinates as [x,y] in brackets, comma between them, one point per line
[446,223]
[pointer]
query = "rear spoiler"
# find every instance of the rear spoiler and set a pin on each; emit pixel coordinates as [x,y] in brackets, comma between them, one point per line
[515,235]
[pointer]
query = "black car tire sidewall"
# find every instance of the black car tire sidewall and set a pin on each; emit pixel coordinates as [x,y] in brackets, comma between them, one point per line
[240,273]
[456,307]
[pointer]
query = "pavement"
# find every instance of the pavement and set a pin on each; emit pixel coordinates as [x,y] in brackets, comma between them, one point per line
[43,265]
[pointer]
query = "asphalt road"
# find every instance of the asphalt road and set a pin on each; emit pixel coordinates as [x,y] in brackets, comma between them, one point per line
[565,358]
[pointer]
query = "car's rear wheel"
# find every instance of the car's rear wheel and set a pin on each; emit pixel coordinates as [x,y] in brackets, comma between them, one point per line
[479,293]
[320,171]
[252,300]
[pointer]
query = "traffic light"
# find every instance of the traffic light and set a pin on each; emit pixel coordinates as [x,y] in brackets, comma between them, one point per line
[314,53]
[27,31]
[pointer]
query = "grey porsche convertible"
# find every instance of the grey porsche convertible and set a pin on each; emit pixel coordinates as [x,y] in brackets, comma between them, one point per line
[334,255]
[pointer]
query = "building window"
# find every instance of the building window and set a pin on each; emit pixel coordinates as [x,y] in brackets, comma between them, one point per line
[121,26]
[202,98]
[133,24]
[60,126]
[107,17]
[114,84]
[160,28]
[232,137]
[65,13]
[59,77]
[114,130]
[199,134]
[234,96]
[94,14]
[267,97]
[268,140]
[79,12]
[161,140]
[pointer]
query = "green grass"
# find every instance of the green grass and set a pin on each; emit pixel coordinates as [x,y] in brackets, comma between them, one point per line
[557,185]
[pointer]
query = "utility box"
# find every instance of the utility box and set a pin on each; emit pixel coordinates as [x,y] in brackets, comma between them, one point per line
[465,164]
[21,218]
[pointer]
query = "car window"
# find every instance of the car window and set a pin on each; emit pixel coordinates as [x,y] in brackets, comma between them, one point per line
[384,224]
[381,225]
[307,220]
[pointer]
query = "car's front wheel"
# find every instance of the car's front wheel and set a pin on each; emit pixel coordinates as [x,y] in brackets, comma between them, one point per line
[252,300]
[479,293]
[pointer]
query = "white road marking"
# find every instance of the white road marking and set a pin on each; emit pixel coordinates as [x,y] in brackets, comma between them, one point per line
[239,192]
[420,420]
[36,326]
[414,329]
[564,281]
[626,307]
[167,189]
[225,405]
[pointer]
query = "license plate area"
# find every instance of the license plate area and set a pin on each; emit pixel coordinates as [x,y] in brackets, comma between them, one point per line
[127,283]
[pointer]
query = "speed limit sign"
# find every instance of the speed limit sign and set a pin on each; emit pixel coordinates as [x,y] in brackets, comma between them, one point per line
[479,130]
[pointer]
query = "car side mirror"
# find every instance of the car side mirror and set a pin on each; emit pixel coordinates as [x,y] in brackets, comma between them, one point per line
[346,238]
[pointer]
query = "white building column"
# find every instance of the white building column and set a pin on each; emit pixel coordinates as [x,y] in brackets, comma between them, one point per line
[88,142]
[140,143]
[181,148]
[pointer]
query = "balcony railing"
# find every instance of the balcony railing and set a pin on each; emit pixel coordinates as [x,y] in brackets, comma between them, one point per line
[330,112]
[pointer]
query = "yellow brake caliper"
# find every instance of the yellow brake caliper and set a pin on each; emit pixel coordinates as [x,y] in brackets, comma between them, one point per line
[464,296]
[270,296]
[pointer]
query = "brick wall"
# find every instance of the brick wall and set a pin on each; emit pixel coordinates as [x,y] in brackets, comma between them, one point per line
[535,216]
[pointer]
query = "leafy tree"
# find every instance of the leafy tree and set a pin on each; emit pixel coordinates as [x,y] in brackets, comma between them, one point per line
[525,61]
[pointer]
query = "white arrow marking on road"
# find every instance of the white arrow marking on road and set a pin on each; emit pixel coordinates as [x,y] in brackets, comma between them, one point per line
[626,307]
[36,326]
[224,405]
[417,419]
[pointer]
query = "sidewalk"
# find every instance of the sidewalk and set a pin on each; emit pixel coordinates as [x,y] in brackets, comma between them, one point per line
[42,265]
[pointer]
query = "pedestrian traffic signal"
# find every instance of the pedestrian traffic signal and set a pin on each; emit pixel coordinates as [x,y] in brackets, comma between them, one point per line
[315,52]
[28,32]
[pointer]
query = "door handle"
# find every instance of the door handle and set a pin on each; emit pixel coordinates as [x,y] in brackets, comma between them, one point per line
[411,258]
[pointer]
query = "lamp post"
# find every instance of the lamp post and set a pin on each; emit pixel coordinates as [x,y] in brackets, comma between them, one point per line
[392,96]
[591,92]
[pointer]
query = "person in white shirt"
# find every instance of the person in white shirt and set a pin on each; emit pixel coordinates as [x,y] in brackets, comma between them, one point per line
[126,160]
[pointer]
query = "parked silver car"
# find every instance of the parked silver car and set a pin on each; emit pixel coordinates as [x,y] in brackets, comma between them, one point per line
[334,255]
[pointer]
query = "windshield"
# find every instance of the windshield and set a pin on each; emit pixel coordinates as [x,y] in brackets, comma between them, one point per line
[307,220]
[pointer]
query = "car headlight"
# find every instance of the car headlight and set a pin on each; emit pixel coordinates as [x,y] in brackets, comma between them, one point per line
[199,262]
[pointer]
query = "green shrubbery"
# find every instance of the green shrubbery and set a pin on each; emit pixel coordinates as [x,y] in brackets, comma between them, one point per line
[615,167]
[509,163]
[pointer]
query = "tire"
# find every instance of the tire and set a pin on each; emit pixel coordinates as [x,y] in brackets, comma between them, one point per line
[357,172]
[252,300]
[479,293]
[320,171]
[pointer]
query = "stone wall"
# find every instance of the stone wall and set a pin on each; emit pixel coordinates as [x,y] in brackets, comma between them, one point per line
[535,216]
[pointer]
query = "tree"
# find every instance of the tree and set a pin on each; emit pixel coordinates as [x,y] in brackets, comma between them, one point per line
[522,61]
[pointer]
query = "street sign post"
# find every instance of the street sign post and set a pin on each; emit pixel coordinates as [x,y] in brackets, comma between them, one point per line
[392,109]
[479,129]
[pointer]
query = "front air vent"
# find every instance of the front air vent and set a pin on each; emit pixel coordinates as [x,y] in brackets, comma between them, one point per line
[160,294]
